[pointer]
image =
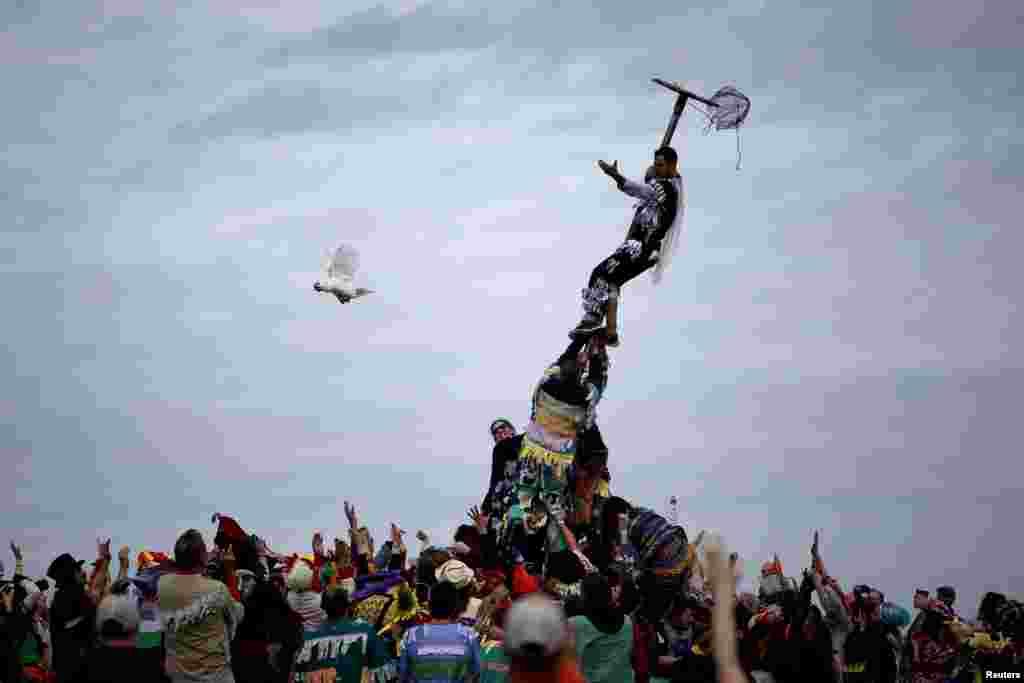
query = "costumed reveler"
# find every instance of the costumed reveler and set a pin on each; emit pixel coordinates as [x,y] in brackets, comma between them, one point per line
[559,454]
[507,445]
[650,242]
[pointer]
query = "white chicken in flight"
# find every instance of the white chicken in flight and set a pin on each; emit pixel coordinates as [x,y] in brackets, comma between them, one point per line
[340,269]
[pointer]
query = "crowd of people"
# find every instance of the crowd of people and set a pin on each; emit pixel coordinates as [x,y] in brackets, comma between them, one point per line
[553,579]
[605,604]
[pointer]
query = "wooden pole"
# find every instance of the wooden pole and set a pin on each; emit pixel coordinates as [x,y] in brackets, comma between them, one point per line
[673,121]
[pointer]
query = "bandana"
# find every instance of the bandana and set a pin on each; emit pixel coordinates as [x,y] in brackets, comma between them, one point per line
[661,545]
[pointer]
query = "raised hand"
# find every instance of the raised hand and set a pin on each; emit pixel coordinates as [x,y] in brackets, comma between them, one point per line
[396,535]
[350,514]
[16,549]
[229,556]
[720,571]
[814,546]
[123,554]
[480,520]
[421,535]
[611,169]
[103,549]
[318,545]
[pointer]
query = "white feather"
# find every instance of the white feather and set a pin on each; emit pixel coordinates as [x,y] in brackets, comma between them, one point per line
[344,263]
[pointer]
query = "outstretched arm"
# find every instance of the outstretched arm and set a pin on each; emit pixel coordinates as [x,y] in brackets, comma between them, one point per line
[398,549]
[638,190]
[19,560]
[633,189]
[99,582]
[819,565]
[723,624]
[360,537]
[123,561]
[835,612]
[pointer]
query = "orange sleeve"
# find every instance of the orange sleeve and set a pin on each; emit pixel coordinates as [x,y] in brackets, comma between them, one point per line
[570,672]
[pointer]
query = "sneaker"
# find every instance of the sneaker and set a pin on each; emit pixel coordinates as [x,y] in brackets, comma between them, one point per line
[612,340]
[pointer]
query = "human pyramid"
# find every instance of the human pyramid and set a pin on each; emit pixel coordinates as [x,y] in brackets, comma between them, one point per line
[549,492]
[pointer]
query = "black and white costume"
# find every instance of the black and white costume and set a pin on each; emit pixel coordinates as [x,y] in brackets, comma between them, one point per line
[649,243]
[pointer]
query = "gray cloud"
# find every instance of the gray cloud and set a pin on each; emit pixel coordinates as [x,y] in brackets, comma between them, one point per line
[835,346]
[428,29]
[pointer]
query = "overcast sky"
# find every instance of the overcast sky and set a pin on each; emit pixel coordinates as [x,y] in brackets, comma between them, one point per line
[837,344]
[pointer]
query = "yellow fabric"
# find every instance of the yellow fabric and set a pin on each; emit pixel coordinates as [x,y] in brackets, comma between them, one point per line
[394,615]
[370,609]
[536,452]
[983,641]
[556,417]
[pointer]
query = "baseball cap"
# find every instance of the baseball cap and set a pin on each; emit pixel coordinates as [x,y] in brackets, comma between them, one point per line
[501,422]
[535,626]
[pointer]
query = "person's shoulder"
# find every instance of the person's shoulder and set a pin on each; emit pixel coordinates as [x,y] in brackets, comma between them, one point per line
[509,447]
[467,633]
[355,626]
[213,585]
[667,184]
